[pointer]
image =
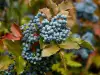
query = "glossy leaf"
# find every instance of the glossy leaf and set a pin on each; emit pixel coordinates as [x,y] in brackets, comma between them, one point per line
[69,44]
[70,62]
[86,44]
[10,36]
[15,35]
[14,47]
[5,61]
[50,50]
[57,67]
[82,43]
[15,29]
[20,64]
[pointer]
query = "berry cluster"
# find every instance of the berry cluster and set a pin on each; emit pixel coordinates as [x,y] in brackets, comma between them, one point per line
[37,19]
[55,30]
[86,10]
[30,38]
[41,67]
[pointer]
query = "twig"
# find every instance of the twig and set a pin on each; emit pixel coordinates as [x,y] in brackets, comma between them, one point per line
[61,53]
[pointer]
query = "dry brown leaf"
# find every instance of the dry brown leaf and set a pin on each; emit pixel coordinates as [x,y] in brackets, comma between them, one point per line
[47,12]
[64,13]
[58,1]
[70,23]
[49,73]
[65,5]
[71,16]
[61,8]
[53,6]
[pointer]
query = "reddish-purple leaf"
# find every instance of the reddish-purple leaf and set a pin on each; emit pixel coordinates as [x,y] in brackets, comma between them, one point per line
[15,29]
[10,36]
[15,33]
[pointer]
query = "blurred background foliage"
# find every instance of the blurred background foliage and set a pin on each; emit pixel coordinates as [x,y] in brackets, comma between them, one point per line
[21,11]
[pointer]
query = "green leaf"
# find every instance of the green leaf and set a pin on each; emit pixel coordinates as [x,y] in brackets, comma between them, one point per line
[25,20]
[95,60]
[87,45]
[57,67]
[82,43]
[77,40]
[5,61]
[1,46]
[69,44]
[14,47]
[50,50]
[70,62]
[20,65]
[73,64]
[41,42]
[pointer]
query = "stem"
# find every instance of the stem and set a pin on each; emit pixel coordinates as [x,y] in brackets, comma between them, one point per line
[61,53]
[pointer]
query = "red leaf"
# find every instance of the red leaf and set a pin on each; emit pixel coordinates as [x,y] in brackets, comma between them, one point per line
[90,60]
[97,30]
[35,34]
[10,36]
[16,30]
[15,33]
[34,46]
